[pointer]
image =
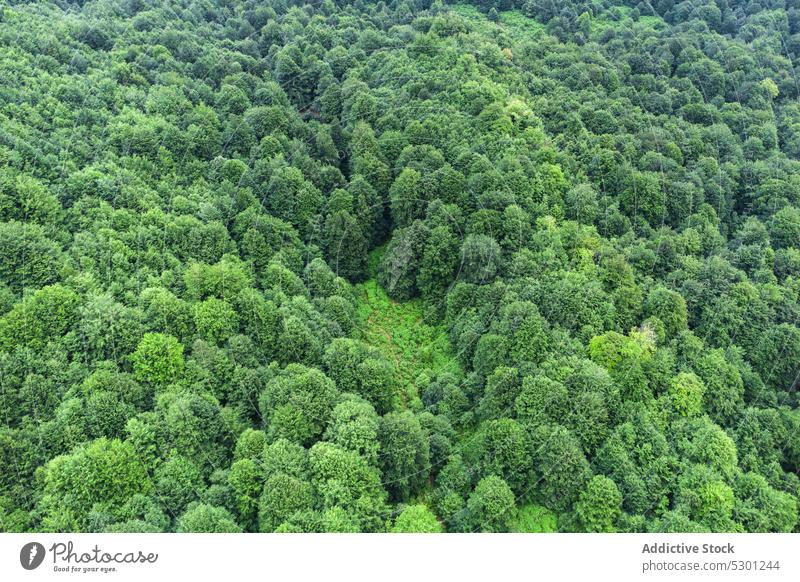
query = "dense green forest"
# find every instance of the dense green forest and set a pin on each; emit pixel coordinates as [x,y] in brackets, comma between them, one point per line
[404,266]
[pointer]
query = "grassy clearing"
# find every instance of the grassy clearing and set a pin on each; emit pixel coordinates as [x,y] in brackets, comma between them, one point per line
[534,518]
[619,18]
[514,21]
[399,330]
[517,24]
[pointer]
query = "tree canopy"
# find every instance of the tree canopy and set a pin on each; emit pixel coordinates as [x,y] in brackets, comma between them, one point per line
[407,266]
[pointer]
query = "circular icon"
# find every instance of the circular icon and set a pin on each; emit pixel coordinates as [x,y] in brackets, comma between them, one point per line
[31,555]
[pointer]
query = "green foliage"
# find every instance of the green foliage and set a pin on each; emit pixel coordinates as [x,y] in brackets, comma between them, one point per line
[502,389]
[386,266]
[158,359]
[670,308]
[599,506]
[407,199]
[28,258]
[491,505]
[204,518]
[345,479]
[196,427]
[250,444]
[502,449]
[480,259]
[345,245]
[438,263]
[400,332]
[215,320]
[404,454]
[102,474]
[416,519]
[297,403]
[246,483]
[611,348]
[560,465]
[45,316]
[760,508]
[354,426]
[283,496]
[705,498]
[541,400]
[176,483]
[533,518]
[686,393]
[359,369]
[223,280]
